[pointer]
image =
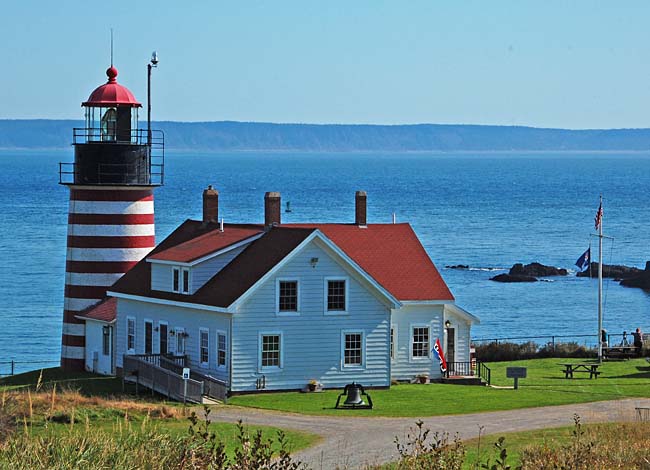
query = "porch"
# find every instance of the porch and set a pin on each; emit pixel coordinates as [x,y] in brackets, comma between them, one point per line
[467,373]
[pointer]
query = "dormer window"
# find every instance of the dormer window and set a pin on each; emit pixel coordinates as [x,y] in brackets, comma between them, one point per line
[181,280]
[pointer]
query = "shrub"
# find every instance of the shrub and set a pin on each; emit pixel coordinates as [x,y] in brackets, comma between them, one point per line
[420,453]
[500,352]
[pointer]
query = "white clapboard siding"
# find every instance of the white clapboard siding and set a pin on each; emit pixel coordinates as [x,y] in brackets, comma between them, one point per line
[311,340]
[203,272]
[403,366]
[189,319]
[162,275]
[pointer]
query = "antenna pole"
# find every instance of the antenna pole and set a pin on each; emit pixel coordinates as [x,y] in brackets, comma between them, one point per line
[111,47]
[600,284]
[149,66]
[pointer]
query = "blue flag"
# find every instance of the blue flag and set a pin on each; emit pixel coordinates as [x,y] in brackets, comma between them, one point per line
[584,260]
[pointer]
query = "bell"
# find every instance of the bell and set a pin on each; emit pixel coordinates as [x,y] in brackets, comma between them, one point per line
[353,395]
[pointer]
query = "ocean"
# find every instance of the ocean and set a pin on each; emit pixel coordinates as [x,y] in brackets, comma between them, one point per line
[487,211]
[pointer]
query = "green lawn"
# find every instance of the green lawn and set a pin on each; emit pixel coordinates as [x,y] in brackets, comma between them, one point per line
[545,385]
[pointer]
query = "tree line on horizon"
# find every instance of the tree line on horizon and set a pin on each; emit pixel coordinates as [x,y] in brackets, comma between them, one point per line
[257,136]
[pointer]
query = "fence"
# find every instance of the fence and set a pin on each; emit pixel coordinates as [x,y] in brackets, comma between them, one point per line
[9,368]
[551,340]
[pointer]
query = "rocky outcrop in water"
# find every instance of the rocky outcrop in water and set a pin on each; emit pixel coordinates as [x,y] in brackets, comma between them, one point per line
[614,271]
[536,270]
[513,278]
[642,280]
[457,266]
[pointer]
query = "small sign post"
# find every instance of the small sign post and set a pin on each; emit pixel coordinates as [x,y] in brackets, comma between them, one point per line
[516,373]
[186,376]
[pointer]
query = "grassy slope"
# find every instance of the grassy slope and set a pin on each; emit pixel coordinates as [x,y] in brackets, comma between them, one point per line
[545,385]
[107,418]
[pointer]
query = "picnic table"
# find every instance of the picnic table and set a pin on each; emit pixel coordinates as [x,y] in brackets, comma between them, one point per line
[620,352]
[569,369]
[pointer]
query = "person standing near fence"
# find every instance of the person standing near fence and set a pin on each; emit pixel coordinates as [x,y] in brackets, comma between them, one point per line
[638,341]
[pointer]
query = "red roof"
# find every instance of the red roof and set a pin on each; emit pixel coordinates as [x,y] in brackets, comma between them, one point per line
[207,243]
[112,93]
[106,310]
[392,255]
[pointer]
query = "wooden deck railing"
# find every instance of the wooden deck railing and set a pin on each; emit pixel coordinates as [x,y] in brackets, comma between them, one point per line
[173,368]
[145,372]
[468,369]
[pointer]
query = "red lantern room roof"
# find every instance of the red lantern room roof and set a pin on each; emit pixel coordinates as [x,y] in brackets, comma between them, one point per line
[111,93]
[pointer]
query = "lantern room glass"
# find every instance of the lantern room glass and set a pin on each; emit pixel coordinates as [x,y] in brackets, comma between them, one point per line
[108,124]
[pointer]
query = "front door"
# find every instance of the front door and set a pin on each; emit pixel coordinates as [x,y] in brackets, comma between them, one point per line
[163,338]
[451,348]
[148,337]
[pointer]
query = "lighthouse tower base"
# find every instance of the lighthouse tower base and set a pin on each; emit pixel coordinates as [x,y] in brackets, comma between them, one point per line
[110,229]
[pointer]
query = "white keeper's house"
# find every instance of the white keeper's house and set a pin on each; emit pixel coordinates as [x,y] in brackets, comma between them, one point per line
[276,306]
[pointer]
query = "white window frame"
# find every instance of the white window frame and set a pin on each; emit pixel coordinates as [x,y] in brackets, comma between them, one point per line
[345,366]
[203,331]
[181,270]
[392,342]
[347,295]
[225,349]
[287,313]
[144,335]
[131,321]
[419,359]
[270,369]
[160,323]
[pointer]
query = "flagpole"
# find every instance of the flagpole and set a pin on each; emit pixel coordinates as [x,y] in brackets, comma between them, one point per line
[600,284]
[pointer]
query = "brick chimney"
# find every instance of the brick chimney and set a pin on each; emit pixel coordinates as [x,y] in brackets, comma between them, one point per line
[271,209]
[360,208]
[210,205]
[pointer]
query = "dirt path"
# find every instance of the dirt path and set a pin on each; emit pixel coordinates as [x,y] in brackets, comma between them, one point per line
[353,442]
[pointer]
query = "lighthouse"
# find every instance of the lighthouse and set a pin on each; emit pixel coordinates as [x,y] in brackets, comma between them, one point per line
[111,211]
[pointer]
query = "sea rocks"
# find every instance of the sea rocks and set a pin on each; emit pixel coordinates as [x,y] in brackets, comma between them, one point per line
[536,270]
[458,266]
[642,280]
[612,270]
[529,273]
[513,278]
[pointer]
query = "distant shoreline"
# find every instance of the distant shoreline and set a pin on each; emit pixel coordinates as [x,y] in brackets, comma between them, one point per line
[231,136]
[360,152]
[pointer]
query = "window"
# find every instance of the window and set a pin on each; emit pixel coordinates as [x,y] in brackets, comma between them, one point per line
[163,338]
[148,337]
[420,342]
[176,280]
[130,335]
[204,343]
[221,349]
[186,281]
[392,342]
[106,340]
[271,351]
[336,301]
[352,349]
[287,296]
[181,280]
[180,341]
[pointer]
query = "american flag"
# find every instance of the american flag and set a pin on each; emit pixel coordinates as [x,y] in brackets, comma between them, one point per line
[599,216]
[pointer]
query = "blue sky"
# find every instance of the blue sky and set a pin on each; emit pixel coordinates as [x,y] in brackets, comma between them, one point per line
[578,64]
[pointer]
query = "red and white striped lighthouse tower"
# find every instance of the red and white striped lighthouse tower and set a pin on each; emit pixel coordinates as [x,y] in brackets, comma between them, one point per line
[111,215]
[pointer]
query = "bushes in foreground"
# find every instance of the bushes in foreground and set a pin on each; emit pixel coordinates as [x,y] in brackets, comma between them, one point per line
[499,352]
[598,447]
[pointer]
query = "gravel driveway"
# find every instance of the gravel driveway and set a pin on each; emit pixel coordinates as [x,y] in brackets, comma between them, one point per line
[350,442]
